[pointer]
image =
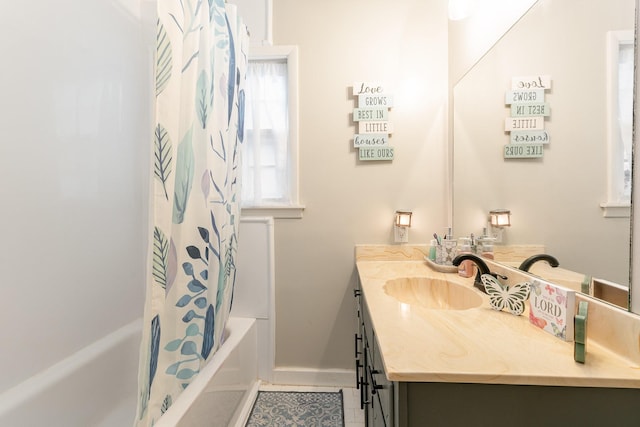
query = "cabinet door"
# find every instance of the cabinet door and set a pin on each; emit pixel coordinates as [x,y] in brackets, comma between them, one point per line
[381,387]
[379,410]
[377,415]
[359,341]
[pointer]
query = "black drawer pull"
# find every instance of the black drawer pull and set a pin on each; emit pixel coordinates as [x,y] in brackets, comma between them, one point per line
[374,386]
[363,393]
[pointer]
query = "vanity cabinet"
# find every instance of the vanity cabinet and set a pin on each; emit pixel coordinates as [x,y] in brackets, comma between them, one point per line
[376,391]
[407,404]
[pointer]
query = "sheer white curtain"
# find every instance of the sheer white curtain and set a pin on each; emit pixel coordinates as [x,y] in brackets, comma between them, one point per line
[266,169]
[625,116]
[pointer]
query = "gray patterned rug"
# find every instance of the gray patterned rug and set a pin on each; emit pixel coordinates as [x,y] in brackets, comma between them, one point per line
[297,409]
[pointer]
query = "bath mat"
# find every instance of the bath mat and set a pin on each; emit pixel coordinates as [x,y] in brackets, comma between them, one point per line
[297,409]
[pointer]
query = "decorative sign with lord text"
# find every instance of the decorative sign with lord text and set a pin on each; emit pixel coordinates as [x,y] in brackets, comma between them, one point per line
[528,111]
[372,117]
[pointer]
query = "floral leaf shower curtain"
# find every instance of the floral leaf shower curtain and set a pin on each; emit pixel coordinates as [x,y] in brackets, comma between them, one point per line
[201,58]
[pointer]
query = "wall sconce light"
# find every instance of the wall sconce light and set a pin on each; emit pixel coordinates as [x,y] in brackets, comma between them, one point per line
[401,226]
[498,219]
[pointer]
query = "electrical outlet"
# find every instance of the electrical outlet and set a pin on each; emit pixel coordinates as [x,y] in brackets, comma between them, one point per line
[401,234]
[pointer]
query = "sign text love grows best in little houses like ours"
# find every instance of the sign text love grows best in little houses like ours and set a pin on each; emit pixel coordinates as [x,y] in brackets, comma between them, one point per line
[372,118]
[526,121]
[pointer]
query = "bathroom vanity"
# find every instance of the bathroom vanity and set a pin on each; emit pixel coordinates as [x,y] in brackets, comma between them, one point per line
[431,351]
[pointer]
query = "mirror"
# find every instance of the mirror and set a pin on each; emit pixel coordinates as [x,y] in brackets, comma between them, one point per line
[554,200]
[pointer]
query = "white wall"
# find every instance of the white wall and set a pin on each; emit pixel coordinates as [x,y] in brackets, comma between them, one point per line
[75,122]
[402,44]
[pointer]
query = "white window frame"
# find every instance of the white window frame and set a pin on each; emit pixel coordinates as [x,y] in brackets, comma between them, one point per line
[614,207]
[289,54]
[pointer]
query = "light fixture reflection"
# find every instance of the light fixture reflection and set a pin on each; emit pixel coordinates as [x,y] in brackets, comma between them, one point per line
[403,218]
[500,218]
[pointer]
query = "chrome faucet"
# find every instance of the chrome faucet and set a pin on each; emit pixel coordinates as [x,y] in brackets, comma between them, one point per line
[527,263]
[483,268]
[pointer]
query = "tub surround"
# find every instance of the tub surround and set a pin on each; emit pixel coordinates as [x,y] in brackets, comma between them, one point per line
[484,346]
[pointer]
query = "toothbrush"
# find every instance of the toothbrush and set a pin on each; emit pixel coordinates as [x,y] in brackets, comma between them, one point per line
[435,236]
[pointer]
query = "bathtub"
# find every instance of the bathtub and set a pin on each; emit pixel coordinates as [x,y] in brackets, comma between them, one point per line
[96,387]
[222,393]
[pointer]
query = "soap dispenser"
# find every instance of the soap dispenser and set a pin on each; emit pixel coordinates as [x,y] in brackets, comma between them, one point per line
[484,245]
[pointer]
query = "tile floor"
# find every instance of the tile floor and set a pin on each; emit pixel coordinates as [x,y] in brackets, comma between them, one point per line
[353,415]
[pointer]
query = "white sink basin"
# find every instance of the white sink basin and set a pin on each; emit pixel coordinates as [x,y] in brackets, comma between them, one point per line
[433,294]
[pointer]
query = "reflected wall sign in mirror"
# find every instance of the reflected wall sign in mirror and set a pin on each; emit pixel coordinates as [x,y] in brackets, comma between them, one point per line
[561,200]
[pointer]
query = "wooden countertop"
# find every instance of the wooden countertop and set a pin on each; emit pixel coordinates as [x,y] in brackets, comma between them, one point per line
[478,345]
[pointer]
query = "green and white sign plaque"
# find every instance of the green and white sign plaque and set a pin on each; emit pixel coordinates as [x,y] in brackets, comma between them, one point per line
[523,151]
[370,140]
[372,119]
[375,153]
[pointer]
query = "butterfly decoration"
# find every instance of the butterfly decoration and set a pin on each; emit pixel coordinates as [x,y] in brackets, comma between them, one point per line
[550,289]
[561,298]
[538,321]
[536,287]
[501,297]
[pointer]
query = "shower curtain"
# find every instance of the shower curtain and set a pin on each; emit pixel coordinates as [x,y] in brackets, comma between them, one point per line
[201,58]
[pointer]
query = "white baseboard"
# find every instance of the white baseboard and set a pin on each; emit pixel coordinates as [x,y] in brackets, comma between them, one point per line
[314,377]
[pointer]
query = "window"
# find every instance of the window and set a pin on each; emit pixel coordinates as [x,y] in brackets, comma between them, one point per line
[270,157]
[620,69]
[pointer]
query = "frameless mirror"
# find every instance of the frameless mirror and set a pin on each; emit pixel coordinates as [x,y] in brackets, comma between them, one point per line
[572,201]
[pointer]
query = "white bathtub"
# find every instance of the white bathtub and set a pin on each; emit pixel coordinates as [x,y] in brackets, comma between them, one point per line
[96,387]
[223,391]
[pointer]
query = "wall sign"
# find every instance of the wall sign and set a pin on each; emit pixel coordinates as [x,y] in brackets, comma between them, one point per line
[531,82]
[372,118]
[374,127]
[523,110]
[370,114]
[523,123]
[519,96]
[523,151]
[523,137]
[369,140]
[527,116]
[375,100]
[380,153]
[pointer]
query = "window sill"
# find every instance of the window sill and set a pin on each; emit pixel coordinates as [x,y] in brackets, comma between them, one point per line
[288,212]
[616,209]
